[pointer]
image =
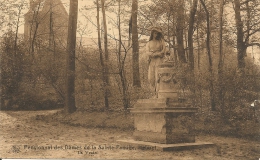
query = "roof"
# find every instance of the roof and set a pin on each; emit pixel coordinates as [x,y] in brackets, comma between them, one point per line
[40,4]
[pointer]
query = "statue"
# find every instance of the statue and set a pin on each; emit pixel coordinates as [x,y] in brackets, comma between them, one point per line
[155,52]
[162,119]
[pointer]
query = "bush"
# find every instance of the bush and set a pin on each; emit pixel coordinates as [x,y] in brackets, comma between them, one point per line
[12,70]
[30,82]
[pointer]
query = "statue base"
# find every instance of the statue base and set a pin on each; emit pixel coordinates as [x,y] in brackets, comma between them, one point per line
[164,124]
[163,120]
[167,121]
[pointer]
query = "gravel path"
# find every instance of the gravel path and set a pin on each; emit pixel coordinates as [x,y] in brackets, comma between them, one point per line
[24,135]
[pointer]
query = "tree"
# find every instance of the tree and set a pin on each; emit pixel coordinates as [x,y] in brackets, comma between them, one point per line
[45,34]
[241,47]
[104,71]
[220,62]
[82,30]
[246,28]
[20,8]
[135,57]
[190,33]
[41,70]
[121,62]
[210,68]
[36,19]
[12,55]
[179,31]
[12,69]
[70,105]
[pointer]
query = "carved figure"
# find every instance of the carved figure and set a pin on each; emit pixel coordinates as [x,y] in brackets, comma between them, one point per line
[155,52]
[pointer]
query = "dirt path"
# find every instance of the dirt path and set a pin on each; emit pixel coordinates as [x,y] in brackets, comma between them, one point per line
[23,136]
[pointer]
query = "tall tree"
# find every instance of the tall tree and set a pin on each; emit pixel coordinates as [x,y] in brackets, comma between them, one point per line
[135,43]
[34,28]
[104,73]
[190,33]
[70,105]
[121,62]
[241,46]
[179,31]
[247,25]
[211,88]
[220,61]
[20,8]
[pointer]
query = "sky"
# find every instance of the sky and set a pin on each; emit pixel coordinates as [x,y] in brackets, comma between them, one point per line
[81,19]
[91,15]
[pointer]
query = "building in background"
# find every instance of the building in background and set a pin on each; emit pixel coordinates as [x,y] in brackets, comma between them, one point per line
[46,24]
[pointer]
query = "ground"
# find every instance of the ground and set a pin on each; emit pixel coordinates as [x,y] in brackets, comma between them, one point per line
[25,135]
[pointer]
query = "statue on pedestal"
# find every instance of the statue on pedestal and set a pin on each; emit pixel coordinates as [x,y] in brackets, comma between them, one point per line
[163,121]
[155,52]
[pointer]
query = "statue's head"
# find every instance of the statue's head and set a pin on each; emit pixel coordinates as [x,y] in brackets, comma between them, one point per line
[157,33]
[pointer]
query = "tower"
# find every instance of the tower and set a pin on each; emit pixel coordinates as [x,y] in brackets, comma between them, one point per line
[46,23]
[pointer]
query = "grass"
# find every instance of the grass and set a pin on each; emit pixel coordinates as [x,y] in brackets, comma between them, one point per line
[125,121]
[104,119]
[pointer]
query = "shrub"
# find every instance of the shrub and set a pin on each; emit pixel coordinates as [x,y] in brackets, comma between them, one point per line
[30,82]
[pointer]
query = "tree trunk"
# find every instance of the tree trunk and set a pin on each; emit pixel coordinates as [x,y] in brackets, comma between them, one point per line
[71,47]
[105,45]
[16,31]
[220,61]
[211,87]
[104,77]
[179,31]
[135,57]
[190,33]
[33,39]
[198,44]
[241,47]
[174,36]
[121,62]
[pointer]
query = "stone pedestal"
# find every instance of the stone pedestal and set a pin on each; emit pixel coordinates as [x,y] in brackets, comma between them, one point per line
[162,120]
[167,81]
[167,121]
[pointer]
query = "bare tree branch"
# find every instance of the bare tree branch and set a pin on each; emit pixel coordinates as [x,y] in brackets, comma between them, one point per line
[253,44]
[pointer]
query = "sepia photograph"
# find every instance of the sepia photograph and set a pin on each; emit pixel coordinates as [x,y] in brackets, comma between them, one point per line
[130,79]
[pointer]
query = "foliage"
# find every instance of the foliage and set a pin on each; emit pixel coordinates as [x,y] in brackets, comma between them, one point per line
[12,69]
[27,82]
[213,123]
